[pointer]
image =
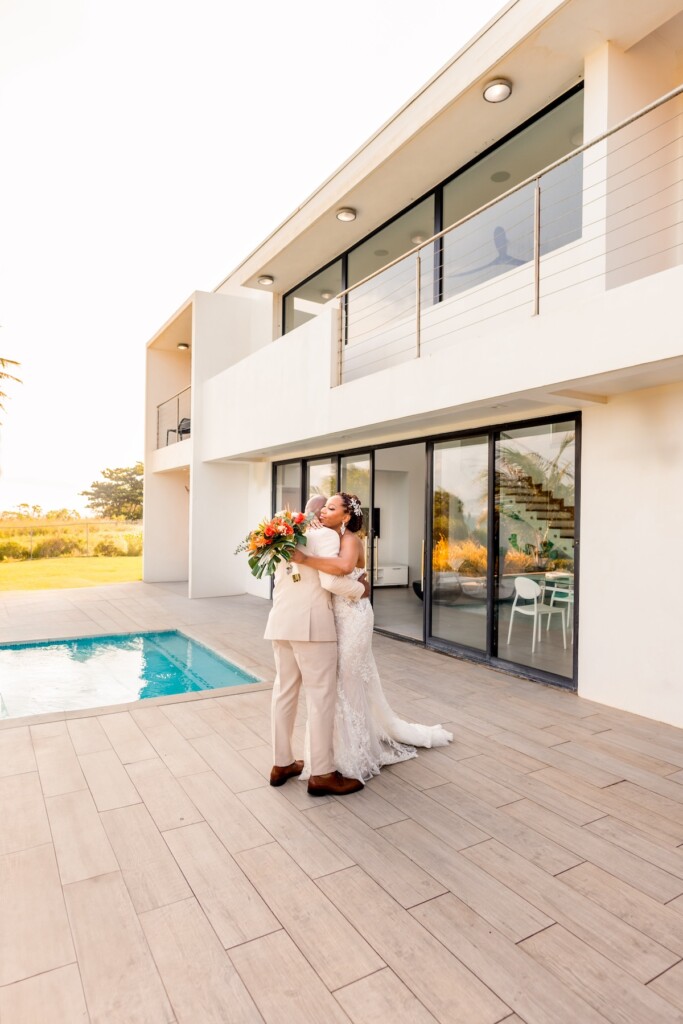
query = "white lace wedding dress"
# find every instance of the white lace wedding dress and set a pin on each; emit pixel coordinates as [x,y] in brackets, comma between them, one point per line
[367,733]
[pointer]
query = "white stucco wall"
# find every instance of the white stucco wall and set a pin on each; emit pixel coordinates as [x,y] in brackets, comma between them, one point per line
[631,518]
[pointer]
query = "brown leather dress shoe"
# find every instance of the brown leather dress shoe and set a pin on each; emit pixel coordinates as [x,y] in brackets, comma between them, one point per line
[278,776]
[332,784]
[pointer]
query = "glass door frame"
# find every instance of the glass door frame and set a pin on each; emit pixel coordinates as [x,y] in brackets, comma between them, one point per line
[460,651]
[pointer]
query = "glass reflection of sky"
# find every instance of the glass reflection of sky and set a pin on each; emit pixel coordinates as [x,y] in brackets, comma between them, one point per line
[65,675]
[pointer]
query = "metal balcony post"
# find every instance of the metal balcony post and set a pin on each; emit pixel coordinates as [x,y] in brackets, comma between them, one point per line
[537,247]
[418,288]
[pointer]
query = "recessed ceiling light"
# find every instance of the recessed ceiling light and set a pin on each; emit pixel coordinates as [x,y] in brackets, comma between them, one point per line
[381,252]
[346,213]
[417,239]
[265,279]
[576,137]
[500,176]
[327,295]
[183,346]
[497,90]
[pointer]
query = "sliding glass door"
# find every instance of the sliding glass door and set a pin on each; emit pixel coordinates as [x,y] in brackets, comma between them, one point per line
[459,551]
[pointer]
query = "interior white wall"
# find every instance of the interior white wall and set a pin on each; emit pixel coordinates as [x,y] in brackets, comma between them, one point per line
[165,556]
[400,494]
[630,597]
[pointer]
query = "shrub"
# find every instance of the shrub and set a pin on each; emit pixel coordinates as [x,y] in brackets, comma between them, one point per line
[11,549]
[133,543]
[108,549]
[53,547]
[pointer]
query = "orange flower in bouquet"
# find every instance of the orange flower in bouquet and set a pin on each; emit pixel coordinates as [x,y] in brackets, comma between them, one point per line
[274,540]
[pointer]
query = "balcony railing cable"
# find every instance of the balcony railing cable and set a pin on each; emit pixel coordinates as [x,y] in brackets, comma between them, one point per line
[610,210]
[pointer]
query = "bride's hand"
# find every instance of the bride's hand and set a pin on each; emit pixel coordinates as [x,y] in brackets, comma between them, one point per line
[315,524]
[298,556]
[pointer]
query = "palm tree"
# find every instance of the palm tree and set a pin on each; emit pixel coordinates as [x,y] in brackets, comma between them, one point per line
[6,376]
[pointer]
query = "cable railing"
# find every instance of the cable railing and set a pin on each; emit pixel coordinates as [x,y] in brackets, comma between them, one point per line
[174,419]
[607,213]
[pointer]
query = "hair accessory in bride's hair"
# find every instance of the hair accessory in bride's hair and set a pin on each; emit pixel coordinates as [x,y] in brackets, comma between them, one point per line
[355,505]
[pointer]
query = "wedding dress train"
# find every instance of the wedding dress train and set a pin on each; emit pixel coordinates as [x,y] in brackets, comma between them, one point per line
[367,733]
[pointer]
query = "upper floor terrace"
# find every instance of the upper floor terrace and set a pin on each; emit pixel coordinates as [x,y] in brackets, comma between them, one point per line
[561,291]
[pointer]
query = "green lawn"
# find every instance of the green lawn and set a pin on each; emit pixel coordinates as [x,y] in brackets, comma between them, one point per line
[58,573]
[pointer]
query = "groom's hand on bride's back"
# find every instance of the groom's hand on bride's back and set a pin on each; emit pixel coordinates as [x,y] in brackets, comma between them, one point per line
[366,583]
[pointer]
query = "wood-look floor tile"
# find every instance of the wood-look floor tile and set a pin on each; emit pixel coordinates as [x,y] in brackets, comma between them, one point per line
[295,832]
[151,874]
[186,720]
[610,990]
[555,758]
[174,750]
[332,947]
[588,846]
[416,773]
[641,956]
[232,730]
[245,705]
[661,923]
[467,778]
[609,801]
[120,979]
[638,843]
[381,998]
[16,752]
[87,735]
[525,985]
[421,807]
[126,737]
[200,979]
[164,797]
[399,875]
[108,780]
[23,818]
[58,765]
[236,827]
[498,824]
[374,809]
[451,993]
[81,843]
[529,785]
[55,997]
[34,930]
[512,915]
[231,767]
[670,986]
[227,897]
[294,993]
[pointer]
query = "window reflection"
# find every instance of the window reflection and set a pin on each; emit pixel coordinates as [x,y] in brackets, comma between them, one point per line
[309,299]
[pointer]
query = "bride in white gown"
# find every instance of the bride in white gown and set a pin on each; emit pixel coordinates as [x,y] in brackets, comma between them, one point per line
[367,733]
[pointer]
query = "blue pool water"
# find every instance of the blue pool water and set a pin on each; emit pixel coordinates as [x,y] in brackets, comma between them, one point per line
[65,675]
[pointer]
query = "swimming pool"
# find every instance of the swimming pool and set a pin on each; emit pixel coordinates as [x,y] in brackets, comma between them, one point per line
[93,671]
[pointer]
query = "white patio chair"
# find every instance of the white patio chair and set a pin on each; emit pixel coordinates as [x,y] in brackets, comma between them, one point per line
[561,592]
[529,590]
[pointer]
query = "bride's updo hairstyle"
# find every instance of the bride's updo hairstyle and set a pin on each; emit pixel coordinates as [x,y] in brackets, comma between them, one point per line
[351,503]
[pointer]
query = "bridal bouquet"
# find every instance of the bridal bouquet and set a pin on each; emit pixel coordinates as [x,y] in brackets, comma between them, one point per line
[274,540]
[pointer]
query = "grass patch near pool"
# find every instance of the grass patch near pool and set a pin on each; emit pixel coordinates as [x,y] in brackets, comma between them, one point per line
[60,573]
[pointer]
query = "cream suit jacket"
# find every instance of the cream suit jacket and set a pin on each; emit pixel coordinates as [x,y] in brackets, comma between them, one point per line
[303,610]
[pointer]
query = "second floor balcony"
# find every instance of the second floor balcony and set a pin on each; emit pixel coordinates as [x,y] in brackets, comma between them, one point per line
[563,289]
[605,215]
[174,419]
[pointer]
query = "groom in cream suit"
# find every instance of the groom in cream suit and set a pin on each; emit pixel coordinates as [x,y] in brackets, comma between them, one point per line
[301,627]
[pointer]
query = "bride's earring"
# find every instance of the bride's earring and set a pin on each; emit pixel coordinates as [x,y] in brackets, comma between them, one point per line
[343,529]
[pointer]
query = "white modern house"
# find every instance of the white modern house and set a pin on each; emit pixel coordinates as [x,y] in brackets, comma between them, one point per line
[475,325]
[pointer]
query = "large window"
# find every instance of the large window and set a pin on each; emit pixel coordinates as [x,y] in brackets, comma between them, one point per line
[306,301]
[494,242]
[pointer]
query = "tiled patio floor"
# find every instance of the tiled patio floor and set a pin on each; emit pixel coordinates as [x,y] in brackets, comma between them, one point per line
[530,872]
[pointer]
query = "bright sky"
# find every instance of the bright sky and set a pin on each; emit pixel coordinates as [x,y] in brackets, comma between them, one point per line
[148,147]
